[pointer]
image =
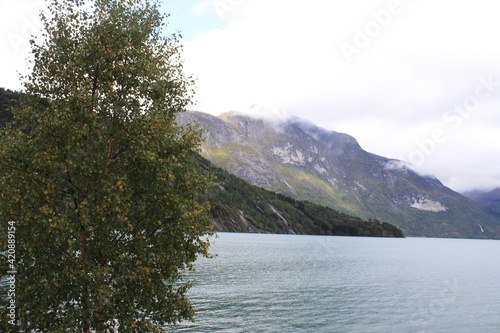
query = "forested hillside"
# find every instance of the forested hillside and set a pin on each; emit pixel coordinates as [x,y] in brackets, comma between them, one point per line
[241,207]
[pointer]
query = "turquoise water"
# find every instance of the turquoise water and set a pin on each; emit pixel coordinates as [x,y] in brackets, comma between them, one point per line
[289,283]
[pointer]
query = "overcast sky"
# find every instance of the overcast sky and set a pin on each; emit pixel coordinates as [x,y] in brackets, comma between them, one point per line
[414,80]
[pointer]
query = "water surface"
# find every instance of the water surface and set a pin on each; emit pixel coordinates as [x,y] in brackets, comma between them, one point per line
[290,283]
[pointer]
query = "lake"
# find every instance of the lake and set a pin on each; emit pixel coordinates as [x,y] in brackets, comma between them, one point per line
[297,283]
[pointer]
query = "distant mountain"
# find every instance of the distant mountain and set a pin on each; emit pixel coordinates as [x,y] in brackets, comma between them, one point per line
[302,160]
[487,199]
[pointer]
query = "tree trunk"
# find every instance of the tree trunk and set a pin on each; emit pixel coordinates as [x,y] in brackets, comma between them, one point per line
[85,292]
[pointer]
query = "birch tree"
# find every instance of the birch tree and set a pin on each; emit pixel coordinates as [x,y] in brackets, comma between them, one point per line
[97,178]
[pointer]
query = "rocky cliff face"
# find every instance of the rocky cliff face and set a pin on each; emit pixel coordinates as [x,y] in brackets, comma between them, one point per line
[300,159]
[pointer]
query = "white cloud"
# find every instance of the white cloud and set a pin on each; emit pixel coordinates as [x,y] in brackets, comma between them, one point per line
[286,55]
[393,94]
[18,22]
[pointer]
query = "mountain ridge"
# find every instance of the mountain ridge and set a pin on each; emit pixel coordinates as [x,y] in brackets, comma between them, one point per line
[297,158]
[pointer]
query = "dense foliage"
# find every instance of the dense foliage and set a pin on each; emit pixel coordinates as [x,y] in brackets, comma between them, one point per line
[99,183]
[8,100]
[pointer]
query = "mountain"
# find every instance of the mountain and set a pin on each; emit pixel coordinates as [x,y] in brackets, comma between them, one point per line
[297,158]
[238,206]
[487,199]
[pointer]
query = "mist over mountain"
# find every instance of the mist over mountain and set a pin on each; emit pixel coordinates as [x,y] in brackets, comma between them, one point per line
[297,158]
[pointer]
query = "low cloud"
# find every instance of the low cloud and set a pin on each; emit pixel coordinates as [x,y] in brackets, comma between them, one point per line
[392,94]
[285,56]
